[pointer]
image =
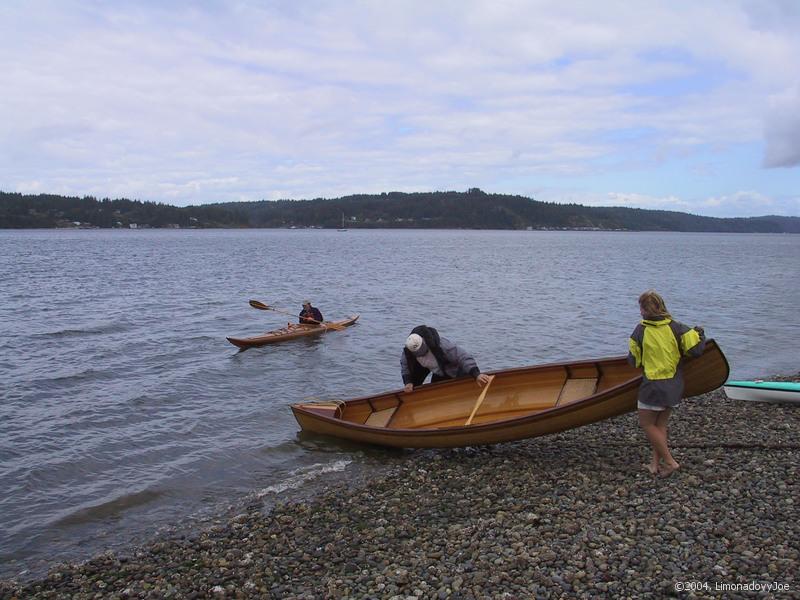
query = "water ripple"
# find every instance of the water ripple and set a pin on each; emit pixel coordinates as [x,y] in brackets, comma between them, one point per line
[110,509]
[103,329]
[123,408]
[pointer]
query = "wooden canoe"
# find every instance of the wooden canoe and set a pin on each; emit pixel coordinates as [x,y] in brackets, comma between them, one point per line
[520,403]
[296,330]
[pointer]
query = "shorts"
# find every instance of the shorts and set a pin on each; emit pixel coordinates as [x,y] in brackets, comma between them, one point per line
[642,406]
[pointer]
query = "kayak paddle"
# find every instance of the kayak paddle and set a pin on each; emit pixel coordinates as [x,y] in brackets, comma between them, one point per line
[262,306]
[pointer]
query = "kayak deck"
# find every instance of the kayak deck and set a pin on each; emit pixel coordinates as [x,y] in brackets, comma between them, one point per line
[291,332]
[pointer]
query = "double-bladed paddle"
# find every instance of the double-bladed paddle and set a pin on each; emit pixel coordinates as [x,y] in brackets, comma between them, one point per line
[262,306]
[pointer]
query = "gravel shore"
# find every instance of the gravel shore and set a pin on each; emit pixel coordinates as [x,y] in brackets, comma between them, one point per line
[573,515]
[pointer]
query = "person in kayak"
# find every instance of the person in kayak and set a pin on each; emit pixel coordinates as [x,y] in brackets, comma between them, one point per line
[426,352]
[657,346]
[310,315]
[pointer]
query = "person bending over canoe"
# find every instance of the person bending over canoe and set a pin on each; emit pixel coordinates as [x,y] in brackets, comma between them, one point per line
[310,315]
[657,345]
[427,352]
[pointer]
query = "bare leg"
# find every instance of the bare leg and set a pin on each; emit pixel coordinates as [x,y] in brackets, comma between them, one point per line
[653,466]
[670,464]
[649,422]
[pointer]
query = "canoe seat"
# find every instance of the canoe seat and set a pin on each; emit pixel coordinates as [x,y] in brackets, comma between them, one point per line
[380,418]
[576,389]
[332,408]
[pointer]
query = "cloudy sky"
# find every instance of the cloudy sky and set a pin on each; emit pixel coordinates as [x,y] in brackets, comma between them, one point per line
[683,105]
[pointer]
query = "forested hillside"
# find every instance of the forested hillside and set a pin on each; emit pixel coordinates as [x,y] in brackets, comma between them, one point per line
[473,209]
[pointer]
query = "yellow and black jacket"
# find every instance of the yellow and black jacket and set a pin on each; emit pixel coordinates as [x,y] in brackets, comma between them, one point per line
[657,346]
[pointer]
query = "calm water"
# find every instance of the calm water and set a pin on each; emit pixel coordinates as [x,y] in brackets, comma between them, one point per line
[123,409]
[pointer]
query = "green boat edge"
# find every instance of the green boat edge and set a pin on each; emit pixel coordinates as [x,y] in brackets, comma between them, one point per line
[772,385]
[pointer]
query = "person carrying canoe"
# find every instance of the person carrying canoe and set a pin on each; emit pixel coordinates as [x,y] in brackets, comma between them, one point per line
[310,315]
[426,352]
[657,345]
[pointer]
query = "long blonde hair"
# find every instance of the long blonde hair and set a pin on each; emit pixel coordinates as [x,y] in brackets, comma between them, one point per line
[653,305]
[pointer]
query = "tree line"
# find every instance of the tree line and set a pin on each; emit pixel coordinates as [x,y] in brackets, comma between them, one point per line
[473,209]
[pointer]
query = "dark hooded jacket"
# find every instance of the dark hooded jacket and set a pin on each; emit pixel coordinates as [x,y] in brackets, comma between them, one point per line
[453,361]
[312,313]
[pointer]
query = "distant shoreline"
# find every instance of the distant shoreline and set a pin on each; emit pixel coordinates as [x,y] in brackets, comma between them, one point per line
[395,229]
[474,209]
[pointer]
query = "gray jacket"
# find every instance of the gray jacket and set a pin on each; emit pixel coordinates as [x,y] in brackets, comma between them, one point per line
[457,362]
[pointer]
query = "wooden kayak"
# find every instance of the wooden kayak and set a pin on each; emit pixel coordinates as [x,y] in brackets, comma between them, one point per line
[294,331]
[520,403]
[763,391]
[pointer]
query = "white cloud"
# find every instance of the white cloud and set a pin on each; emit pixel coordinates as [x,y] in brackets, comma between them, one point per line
[740,203]
[30,187]
[236,100]
[749,204]
[623,199]
[783,130]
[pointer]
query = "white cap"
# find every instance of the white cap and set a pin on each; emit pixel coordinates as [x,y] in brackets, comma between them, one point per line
[414,342]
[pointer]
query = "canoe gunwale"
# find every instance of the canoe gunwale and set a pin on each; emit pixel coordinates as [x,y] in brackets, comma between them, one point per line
[436,431]
[450,435]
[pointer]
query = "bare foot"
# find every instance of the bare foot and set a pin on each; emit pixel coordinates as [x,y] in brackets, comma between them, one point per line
[652,469]
[668,470]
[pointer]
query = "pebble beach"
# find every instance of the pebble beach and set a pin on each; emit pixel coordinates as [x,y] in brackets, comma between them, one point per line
[572,515]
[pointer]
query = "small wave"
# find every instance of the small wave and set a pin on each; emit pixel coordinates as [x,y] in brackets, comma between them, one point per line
[85,375]
[201,338]
[112,508]
[299,476]
[96,330]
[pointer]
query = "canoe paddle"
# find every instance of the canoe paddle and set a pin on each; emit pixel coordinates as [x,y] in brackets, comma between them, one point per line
[480,400]
[262,306]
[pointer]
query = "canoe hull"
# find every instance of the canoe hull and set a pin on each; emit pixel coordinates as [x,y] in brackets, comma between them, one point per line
[473,436]
[282,335]
[763,391]
[513,409]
